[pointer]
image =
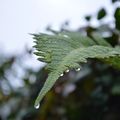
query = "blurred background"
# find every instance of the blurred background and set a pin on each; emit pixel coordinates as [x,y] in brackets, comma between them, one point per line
[90,94]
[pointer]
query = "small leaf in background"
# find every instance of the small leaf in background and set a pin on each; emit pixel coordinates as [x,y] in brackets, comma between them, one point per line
[88,18]
[117,18]
[113,1]
[101,14]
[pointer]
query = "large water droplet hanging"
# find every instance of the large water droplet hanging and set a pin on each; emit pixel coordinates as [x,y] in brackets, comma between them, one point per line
[61,74]
[78,69]
[37,106]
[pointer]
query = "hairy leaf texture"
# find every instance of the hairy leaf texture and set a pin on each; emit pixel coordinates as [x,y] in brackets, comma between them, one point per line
[68,50]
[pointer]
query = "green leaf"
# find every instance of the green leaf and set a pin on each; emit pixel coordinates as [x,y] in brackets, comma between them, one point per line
[88,18]
[101,14]
[117,18]
[114,1]
[67,51]
[99,40]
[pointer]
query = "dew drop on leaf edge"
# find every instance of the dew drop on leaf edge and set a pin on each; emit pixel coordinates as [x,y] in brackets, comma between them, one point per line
[37,106]
[61,74]
[78,69]
[67,71]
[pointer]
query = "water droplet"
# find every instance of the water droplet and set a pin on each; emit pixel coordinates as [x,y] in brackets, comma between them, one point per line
[67,71]
[65,36]
[37,106]
[78,69]
[61,74]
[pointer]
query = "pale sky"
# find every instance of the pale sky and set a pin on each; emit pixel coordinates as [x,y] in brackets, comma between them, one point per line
[18,18]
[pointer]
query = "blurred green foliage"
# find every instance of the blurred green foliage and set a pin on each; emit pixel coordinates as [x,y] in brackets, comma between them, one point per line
[101,14]
[91,94]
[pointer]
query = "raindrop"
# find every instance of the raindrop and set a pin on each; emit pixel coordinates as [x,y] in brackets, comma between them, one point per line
[67,71]
[37,106]
[65,36]
[61,74]
[78,69]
